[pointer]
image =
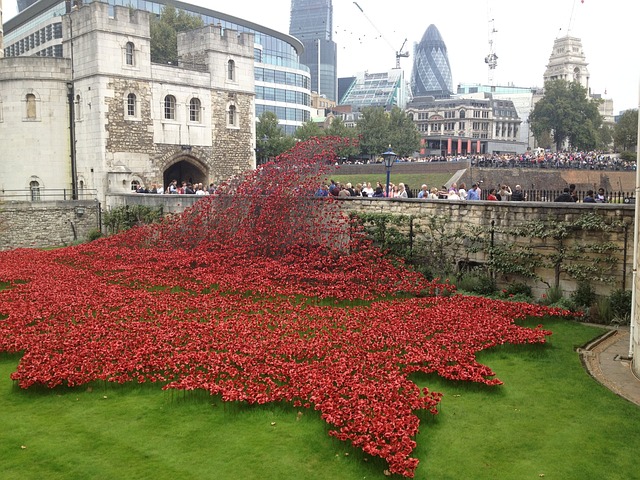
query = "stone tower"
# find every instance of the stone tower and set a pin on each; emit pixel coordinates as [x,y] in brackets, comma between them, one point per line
[1,33]
[568,62]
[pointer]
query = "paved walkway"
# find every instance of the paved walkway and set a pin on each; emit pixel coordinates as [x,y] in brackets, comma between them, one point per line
[607,360]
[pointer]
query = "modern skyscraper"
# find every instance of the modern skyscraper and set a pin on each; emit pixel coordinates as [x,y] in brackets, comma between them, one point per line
[431,69]
[312,24]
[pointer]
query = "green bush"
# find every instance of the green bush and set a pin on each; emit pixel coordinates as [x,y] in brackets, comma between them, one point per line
[628,156]
[94,235]
[553,296]
[621,305]
[584,296]
[478,283]
[124,218]
[519,288]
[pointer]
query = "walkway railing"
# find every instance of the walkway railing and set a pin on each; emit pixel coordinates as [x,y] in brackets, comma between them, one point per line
[46,194]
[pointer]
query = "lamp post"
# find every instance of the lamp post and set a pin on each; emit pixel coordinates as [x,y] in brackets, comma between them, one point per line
[389,157]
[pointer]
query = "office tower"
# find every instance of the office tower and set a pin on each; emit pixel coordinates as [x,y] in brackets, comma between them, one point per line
[431,69]
[312,24]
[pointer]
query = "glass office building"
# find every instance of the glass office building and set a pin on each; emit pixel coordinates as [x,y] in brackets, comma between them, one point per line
[384,89]
[312,24]
[431,73]
[283,84]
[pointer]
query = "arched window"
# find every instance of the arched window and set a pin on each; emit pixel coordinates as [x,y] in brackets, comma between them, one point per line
[135,184]
[31,106]
[78,106]
[128,53]
[232,115]
[231,70]
[462,114]
[131,105]
[170,107]
[34,188]
[194,110]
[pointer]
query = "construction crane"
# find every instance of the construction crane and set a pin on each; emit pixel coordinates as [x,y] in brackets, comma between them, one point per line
[491,59]
[399,53]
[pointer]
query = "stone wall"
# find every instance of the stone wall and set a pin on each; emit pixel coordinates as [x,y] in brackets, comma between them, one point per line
[46,224]
[511,214]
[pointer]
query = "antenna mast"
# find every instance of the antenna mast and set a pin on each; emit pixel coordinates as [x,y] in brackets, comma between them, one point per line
[492,59]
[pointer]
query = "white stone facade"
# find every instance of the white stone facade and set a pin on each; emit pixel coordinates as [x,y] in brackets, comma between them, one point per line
[133,121]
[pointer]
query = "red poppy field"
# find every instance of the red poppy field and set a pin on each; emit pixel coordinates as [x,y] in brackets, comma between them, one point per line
[258,294]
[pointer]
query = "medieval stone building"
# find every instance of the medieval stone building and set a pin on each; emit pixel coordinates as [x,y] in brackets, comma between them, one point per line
[103,119]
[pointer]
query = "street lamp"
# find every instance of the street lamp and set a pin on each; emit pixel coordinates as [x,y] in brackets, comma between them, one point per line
[389,157]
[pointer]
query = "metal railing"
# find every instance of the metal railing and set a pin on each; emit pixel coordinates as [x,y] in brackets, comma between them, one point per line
[47,194]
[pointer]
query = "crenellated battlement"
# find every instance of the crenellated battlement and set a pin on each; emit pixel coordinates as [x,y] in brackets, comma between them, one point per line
[215,38]
[99,16]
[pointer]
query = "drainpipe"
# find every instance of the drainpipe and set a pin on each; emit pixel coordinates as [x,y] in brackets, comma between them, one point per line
[634,285]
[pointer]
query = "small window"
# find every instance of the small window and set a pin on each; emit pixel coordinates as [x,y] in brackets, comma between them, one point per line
[34,188]
[135,185]
[170,107]
[31,106]
[128,55]
[78,109]
[131,105]
[231,70]
[194,110]
[232,115]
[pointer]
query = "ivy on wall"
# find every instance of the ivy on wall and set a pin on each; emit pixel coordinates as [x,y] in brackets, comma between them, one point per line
[579,248]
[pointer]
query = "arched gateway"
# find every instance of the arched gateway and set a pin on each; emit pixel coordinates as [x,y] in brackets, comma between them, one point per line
[186,168]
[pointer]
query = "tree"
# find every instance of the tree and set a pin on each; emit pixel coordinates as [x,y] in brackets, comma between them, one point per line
[337,128]
[404,136]
[625,133]
[164,33]
[271,140]
[373,128]
[307,130]
[568,114]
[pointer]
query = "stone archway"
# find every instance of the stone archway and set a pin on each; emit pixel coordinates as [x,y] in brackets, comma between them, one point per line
[185,169]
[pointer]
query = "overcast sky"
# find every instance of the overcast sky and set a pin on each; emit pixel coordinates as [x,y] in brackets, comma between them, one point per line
[523,42]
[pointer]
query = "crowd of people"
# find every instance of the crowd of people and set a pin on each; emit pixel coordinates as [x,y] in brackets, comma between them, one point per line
[453,192]
[185,188]
[593,160]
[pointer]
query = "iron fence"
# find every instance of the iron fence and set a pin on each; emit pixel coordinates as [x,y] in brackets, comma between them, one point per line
[47,194]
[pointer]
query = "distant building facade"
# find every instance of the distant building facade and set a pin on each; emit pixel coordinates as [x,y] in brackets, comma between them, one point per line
[431,74]
[283,85]
[383,89]
[466,126]
[522,98]
[312,24]
[106,119]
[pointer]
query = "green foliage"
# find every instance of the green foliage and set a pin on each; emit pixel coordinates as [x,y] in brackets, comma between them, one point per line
[391,233]
[373,128]
[519,288]
[94,235]
[337,128]
[307,130]
[567,113]
[584,295]
[553,296]
[621,305]
[124,218]
[625,132]
[628,156]
[477,282]
[582,261]
[164,33]
[403,134]
[271,140]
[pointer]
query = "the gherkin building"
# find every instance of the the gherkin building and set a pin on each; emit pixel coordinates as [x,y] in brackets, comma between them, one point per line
[431,70]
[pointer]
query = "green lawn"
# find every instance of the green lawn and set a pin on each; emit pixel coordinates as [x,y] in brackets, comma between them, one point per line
[549,418]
